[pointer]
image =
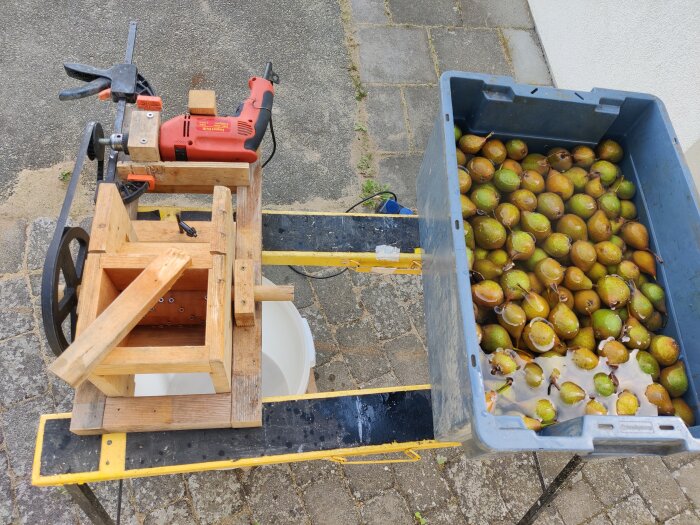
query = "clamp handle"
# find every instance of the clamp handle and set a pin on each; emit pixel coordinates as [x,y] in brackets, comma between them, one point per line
[123,80]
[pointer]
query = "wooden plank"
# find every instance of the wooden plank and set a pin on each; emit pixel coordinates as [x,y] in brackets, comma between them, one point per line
[178,307]
[218,324]
[201,260]
[155,360]
[111,225]
[191,279]
[168,231]
[161,336]
[153,414]
[111,326]
[144,132]
[201,102]
[88,410]
[113,386]
[243,297]
[267,292]
[185,176]
[222,228]
[246,408]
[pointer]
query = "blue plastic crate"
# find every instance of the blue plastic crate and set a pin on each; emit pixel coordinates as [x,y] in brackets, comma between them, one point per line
[667,203]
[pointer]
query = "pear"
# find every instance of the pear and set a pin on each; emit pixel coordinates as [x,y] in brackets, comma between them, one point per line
[494,150]
[648,364]
[636,235]
[609,204]
[595,408]
[607,253]
[465,181]
[557,245]
[675,379]
[628,210]
[626,189]
[583,254]
[506,180]
[539,336]
[578,177]
[635,335]
[573,226]
[536,257]
[606,171]
[609,150]
[533,374]
[596,272]
[468,207]
[487,269]
[461,158]
[645,261]
[537,224]
[655,322]
[513,165]
[656,295]
[493,337]
[470,257]
[606,323]
[549,272]
[584,339]
[639,305]
[458,133]
[507,214]
[468,235]
[502,363]
[480,170]
[604,384]
[532,181]
[515,284]
[575,280]
[683,411]
[516,149]
[560,159]
[594,187]
[534,306]
[586,302]
[628,271]
[582,205]
[570,393]
[485,197]
[545,411]
[657,395]
[550,205]
[559,184]
[613,291]
[536,162]
[532,424]
[584,358]
[614,351]
[480,253]
[525,200]
[520,245]
[513,318]
[479,333]
[535,284]
[472,143]
[564,321]
[583,156]
[627,404]
[487,294]
[599,227]
[489,234]
[498,257]
[560,295]
[664,349]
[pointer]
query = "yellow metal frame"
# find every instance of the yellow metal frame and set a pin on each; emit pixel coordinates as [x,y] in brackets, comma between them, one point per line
[113,450]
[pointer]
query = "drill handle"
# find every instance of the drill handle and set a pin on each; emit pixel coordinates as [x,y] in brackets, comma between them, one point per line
[262,94]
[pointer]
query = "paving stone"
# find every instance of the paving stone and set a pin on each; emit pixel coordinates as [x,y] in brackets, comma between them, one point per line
[178,513]
[62,394]
[40,234]
[653,481]
[386,124]
[337,299]
[303,296]
[6,508]
[685,518]
[600,519]
[16,314]
[334,376]
[152,493]
[470,50]
[448,514]
[609,479]
[389,317]
[399,173]
[20,423]
[272,496]
[438,12]
[395,54]
[551,464]
[550,516]
[422,483]
[369,11]
[479,498]
[408,359]
[417,314]
[511,13]
[12,239]
[107,494]
[577,502]
[631,510]
[329,503]
[386,380]
[516,470]
[529,65]
[324,342]
[43,504]
[676,461]
[306,472]
[688,477]
[35,284]
[388,507]
[409,288]
[362,350]
[423,103]
[366,481]
[22,371]
[215,495]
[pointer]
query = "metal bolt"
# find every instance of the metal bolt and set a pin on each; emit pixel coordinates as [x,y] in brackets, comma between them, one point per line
[161,300]
[171,300]
[109,441]
[143,140]
[149,114]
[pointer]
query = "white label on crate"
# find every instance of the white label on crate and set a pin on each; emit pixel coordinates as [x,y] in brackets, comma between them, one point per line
[387,253]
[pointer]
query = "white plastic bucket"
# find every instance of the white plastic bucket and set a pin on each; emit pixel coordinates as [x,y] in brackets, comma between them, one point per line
[288,354]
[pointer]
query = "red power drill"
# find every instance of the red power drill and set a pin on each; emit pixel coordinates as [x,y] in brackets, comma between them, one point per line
[234,138]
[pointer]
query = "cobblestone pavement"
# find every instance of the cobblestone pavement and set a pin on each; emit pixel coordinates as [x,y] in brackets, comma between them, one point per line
[368,330]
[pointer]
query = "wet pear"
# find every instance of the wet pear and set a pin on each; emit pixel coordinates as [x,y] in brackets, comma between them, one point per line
[584,358]
[674,379]
[532,181]
[536,257]
[639,306]
[616,225]
[656,295]
[578,177]
[599,227]
[570,393]
[557,245]
[628,210]
[458,133]
[516,149]
[575,280]
[512,317]
[489,234]
[613,291]
[559,184]
[582,205]
[635,335]
[549,272]
[657,395]
[584,339]
[609,150]
[560,159]
[534,305]
[487,293]
[636,235]
[564,321]
[594,187]
[498,257]
[628,271]
[683,411]
[520,245]
[596,272]
[515,284]
[545,411]
[485,197]
[468,235]
[480,253]
[461,158]
[532,423]
[583,255]
[465,181]
[471,144]
[468,207]
[480,170]
[470,257]
[664,349]
[604,384]
[609,204]
[537,224]
[535,284]
[595,408]
[525,200]
[502,363]
[645,261]
[614,351]
[487,269]
[606,171]
[586,302]
[573,226]
[627,404]
[655,322]
[583,156]
[533,374]
[507,214]
[608,253]
[648,364]
[494,336]
[539,336]
[479,333]
[536,162]
[606,323]
[506,180]
[560,295]
[494,150]
[626,189]
[550,205]
[513,165]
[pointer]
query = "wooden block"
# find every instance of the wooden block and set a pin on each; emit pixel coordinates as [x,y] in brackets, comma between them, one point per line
[218,326]
[114,386]
[168,231]
[222,228]
[243,297]
[270,292]
[191,279]
[114,323]
[189,177]
[144,132]
[201,102]
[111,225]
[88,410]
[155,360]
[153,414]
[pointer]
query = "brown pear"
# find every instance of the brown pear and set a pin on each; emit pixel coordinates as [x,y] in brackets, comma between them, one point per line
[613,291]
[559,184]
[487,293]
[575,279]
[573,226]
[525,200]
[636,235]
[586,302]
[512,317]
[645,261]
[583,254]
[549,272]
[564,321]
[599,227]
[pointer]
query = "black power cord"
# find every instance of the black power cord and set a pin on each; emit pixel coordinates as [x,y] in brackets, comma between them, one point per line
[274,142]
